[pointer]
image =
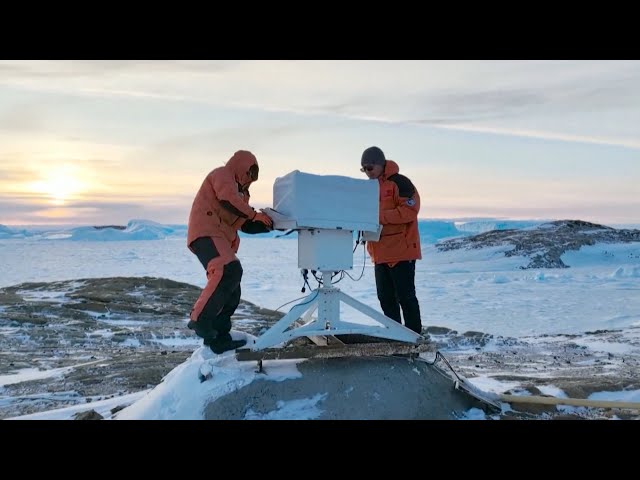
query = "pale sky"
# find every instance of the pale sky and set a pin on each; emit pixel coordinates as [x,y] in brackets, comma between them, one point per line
[103,142]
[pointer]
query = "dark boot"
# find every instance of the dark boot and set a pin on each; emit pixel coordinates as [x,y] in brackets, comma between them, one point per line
[202,330]
[224,343]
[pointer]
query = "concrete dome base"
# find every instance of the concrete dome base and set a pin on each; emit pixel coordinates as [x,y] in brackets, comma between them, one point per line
[349,388]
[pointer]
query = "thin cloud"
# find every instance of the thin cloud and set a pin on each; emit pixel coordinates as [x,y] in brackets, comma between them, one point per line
[19,203]
[603,209]
[569,88]
[489,104]
[43,69]
[23,117]
[102,205]
[22,212]
[10,173]
[104,92]
[629,143]
[164,124]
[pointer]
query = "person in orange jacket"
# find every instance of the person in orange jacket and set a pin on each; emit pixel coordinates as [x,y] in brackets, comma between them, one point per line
[221,208]
[395,253]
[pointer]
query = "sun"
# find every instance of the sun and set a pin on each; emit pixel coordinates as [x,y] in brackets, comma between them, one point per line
[60,185]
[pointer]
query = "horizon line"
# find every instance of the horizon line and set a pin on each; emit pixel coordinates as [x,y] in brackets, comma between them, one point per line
[427,219]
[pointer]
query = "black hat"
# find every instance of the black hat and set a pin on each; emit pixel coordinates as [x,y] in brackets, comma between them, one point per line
[373,156]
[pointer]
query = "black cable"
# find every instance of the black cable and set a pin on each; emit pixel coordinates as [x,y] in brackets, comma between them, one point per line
[289,232]
[306,282]
[305,277]
[357,241]
[300,298]
[439,356]
[342,272]
[364,259]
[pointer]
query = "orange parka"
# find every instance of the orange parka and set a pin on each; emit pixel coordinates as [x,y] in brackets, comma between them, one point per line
[221,205]
[399,207]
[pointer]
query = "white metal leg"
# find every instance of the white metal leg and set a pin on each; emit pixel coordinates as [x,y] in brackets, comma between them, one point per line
[327,301]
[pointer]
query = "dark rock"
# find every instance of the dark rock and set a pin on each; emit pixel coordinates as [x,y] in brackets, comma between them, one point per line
[106,356]
[438,330]
[545,244]
[88,415]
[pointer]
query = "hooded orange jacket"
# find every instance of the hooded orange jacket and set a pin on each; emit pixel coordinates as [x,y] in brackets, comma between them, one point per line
[221,205]
[399,207]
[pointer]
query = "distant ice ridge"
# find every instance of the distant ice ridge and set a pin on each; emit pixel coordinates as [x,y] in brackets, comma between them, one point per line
[431,231]
[626,272]
[6,232]
[480,226]
[135,230]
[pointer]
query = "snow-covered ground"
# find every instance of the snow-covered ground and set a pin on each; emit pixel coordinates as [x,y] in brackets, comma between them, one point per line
[464,290]
[479,290]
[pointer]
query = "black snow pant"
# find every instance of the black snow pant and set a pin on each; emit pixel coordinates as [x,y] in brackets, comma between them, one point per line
[214,322]
[396,288]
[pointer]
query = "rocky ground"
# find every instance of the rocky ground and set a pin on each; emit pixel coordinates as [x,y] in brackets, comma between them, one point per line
[546,243]
[104,337]
[579,365]
[93,339]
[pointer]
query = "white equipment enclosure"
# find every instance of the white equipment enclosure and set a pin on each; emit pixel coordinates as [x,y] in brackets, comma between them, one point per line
[325,211]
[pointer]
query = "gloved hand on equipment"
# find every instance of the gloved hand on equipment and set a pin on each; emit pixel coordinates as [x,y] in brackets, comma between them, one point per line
[264,218]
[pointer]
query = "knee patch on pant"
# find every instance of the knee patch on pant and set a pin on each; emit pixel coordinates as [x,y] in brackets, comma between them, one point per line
[214,276]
